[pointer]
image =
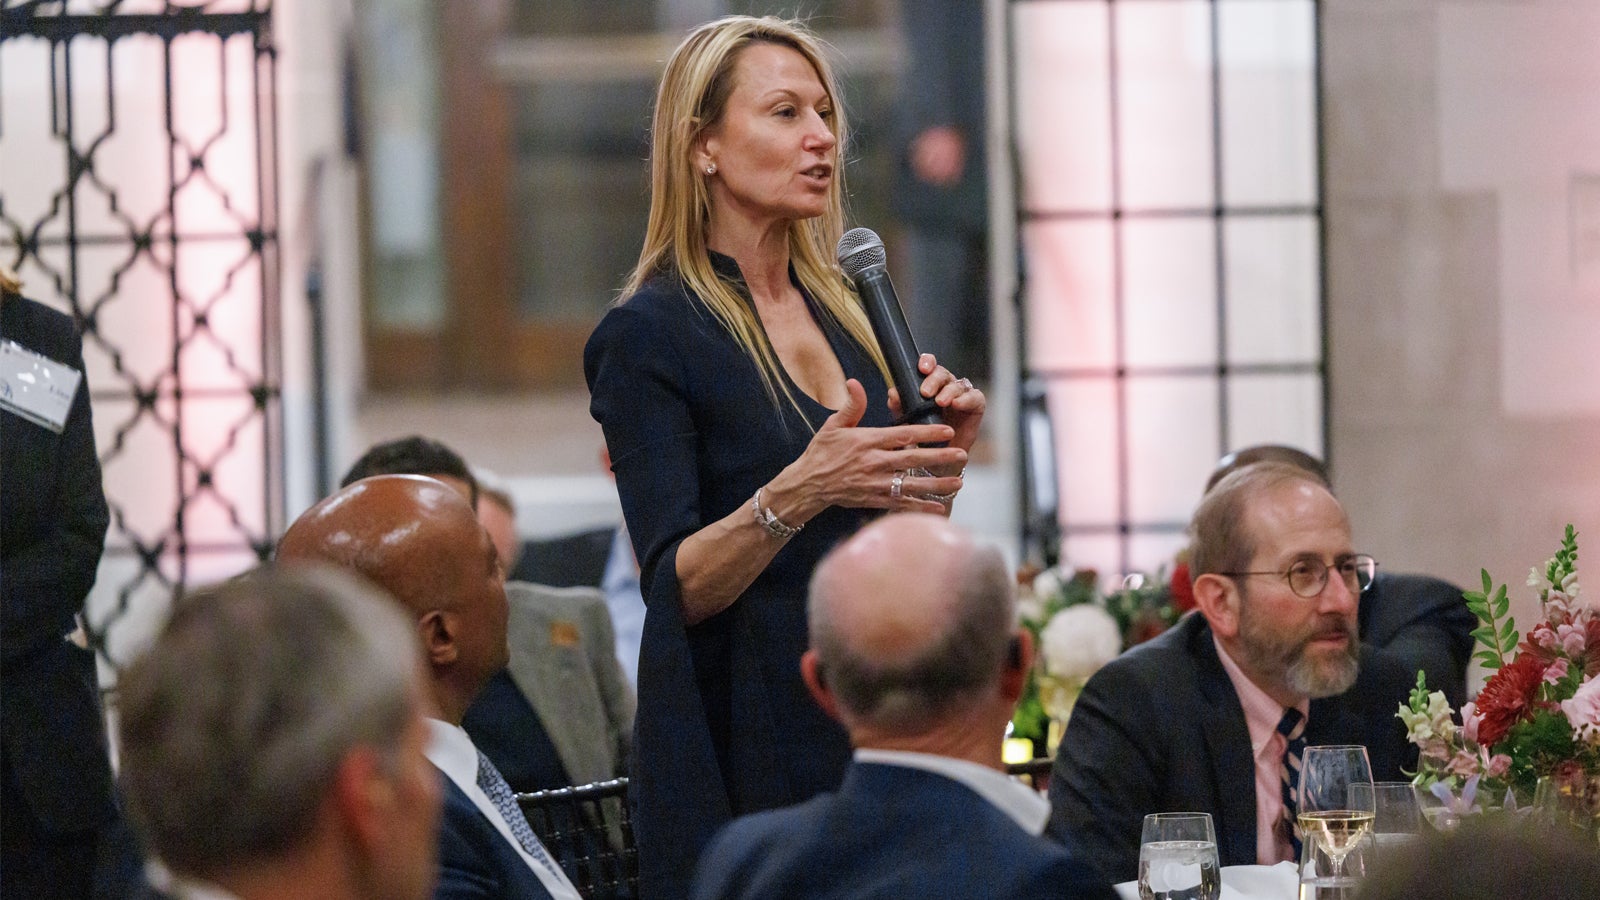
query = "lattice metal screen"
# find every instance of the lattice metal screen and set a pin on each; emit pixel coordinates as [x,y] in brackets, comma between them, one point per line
[138,191]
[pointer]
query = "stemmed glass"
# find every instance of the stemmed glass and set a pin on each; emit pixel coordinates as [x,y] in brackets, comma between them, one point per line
[1336,804]
[1178,858]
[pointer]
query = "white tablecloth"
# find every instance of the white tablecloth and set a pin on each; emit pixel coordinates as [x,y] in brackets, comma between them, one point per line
[1279,882]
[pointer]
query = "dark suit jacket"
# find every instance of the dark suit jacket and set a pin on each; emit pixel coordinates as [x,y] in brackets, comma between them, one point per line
[1160,729]
[53,522]
[1425,624]
[890,831]
[475,859]
[573,560]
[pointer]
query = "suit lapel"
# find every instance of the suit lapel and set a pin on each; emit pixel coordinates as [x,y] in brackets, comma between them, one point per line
[540,651]
[1228,741]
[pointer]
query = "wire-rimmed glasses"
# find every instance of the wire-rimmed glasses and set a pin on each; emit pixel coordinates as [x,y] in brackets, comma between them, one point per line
[1307,577]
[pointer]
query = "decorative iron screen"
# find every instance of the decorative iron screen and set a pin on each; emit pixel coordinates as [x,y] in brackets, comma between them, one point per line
[138,191]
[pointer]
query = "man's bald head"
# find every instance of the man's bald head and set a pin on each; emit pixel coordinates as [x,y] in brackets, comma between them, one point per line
[420,540]
[910,621]
[397,531]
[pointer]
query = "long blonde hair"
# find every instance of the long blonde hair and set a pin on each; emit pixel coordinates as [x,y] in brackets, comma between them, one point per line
[692,98]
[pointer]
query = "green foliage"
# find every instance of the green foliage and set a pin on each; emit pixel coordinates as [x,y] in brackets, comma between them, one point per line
[1498,633]
[1536,747]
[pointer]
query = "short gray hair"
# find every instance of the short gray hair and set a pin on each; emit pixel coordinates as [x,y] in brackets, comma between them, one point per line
[954,668]
[234,722]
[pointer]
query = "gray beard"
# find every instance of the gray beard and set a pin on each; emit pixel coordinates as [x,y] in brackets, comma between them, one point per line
[1305,677]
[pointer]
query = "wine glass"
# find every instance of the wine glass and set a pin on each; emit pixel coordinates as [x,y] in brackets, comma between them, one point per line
[1178,858]
[1337,805]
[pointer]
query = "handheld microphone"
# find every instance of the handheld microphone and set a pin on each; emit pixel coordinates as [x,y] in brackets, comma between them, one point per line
[862,257]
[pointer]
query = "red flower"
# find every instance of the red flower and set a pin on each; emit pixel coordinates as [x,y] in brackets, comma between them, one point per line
[1508,697]
[1180,588]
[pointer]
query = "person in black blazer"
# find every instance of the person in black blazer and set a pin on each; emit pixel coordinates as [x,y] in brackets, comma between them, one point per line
[1424,622]
[914,647]
[1164,727]
[53,518]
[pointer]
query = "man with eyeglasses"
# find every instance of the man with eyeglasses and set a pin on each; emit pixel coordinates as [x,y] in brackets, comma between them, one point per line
[1422,621]
[1212,716]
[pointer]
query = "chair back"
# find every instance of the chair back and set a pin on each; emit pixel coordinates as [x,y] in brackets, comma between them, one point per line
[589,830]
[1035,772]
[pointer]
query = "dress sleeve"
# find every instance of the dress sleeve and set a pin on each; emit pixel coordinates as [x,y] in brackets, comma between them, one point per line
[638,393]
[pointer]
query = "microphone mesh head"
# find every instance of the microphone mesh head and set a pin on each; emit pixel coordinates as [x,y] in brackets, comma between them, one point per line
[860,249]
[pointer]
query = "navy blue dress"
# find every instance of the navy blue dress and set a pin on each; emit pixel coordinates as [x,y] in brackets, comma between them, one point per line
[724,725]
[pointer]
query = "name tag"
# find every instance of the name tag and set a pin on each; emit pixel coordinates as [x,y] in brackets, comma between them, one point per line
[35,387]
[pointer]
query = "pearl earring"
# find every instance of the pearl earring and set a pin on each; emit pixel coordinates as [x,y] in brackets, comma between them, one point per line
[711,168]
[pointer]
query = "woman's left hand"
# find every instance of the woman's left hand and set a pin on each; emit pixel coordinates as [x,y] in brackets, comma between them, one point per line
[960,403]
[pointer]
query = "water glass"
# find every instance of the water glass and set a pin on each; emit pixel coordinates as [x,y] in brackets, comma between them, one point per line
[1178,858]
[1397,819]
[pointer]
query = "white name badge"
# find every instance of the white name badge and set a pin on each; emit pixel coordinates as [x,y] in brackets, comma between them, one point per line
[35,387]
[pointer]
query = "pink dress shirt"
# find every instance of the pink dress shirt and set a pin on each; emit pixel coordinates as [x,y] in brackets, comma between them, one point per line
[1261,716]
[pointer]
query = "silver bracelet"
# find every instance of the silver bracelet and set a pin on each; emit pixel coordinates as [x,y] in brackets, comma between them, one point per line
[769,520]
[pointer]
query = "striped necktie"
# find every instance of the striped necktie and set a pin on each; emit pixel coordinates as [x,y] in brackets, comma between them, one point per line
[1293,728]
[505,800]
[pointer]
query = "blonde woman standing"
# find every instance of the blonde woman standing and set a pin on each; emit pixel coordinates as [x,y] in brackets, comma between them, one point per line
[746,409]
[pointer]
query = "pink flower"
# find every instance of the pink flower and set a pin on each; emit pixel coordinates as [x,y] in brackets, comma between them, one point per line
[1572,639]
[1543,636]
[1556,672]
[1463,764]
[1498,766]
[1470,721]
[1583,710]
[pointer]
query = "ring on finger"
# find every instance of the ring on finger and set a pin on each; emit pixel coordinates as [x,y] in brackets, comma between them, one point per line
[896,483]
[965,383]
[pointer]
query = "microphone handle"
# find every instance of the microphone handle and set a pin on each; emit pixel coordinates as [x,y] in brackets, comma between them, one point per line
[888,322]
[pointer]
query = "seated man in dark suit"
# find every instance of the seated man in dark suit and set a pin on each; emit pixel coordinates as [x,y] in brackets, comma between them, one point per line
[561,712]
[915,649]
[420,540]
[1212,715]
[272,740]
[1424,622]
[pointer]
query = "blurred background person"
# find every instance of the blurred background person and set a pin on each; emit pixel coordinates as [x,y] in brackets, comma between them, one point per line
[56,800]
[272,744]
[1503,861]
[746,407]
[941,190]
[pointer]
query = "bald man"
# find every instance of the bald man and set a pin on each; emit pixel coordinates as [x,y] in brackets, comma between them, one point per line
[915,650]
[420,540]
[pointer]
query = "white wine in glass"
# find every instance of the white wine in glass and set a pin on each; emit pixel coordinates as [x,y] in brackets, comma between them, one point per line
[1332,816]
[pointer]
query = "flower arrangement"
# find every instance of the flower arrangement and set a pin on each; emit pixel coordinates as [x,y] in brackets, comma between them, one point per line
[1537,718]
[1077,628]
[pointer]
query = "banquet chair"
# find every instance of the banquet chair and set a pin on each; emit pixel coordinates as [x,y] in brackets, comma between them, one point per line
[588,829]
[1035,772]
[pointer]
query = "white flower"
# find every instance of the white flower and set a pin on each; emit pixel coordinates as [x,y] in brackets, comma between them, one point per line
[1047,584]
[1079,640]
